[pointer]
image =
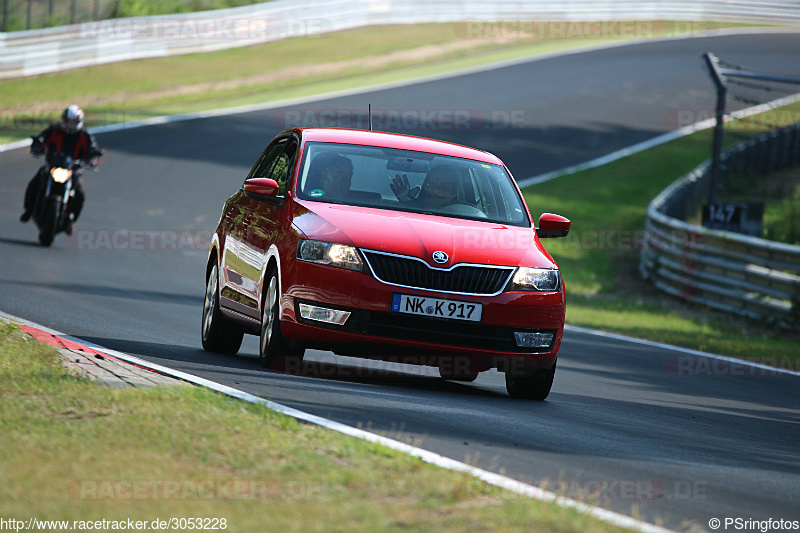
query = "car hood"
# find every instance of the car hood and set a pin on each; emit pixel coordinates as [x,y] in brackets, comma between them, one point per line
[420,235]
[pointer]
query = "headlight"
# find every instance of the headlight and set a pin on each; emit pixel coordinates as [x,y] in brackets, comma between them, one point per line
[60,175]
[326,253]
[536,279]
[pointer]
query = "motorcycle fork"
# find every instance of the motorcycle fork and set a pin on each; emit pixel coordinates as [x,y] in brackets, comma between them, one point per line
[41,198]
[66,195]
[63,213]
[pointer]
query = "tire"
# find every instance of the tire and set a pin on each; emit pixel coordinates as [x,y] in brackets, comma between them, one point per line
[274,352]
[217,333]
[535,385]
[49,219]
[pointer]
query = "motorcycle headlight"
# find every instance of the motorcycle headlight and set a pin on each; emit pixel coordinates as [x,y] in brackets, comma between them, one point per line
[536,279]
[326,253]
[60,175]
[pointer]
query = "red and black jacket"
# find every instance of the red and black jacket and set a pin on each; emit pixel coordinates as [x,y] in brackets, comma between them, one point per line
[55,140]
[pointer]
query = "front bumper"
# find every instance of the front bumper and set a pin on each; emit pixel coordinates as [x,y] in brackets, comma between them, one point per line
[373,327]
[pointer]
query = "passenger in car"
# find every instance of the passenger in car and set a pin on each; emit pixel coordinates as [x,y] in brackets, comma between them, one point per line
[439,189]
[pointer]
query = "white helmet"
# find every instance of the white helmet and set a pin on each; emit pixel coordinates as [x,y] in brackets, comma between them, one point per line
[72,118]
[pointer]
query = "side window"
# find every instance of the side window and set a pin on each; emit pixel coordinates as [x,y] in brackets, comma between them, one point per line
[281,170]
[261,168]
[275,163]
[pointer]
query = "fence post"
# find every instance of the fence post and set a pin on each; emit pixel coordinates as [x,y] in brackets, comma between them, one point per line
[719,127]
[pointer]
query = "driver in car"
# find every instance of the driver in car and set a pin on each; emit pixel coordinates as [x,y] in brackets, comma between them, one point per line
[439,189]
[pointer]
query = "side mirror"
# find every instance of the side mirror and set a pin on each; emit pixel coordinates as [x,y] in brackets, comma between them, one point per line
[551,225]
[262,186]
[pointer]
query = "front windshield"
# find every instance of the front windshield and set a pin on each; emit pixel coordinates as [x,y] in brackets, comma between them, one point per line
[404,180]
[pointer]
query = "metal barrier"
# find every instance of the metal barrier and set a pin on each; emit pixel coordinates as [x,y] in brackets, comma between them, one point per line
[41,51]
[724,270]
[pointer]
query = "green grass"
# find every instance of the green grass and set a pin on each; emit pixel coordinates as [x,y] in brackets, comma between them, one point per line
[779,191]
[780,194]
[16,15]
[600,257]
[279,70]
[140,8]
[74,450]
[782,215]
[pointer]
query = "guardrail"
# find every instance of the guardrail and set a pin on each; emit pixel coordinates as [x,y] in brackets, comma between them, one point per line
[31,52]
[727,271]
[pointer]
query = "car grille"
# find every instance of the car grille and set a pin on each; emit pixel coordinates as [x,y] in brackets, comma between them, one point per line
[416,273]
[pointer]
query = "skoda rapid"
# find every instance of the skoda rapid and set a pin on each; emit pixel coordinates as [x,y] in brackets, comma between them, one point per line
[389,247]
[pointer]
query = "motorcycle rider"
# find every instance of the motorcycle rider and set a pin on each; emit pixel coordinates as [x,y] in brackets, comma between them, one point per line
[69,138]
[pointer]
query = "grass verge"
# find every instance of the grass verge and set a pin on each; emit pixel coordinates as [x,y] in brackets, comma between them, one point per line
[293,68]
[600,257]
[19,15]
[74,450]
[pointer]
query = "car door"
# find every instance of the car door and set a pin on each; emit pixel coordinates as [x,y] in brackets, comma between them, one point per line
[263,220]
[230,295]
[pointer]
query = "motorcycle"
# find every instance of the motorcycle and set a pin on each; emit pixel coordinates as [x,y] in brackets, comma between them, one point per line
[50,211]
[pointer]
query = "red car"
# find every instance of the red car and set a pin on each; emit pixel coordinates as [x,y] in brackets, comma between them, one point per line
[390,247]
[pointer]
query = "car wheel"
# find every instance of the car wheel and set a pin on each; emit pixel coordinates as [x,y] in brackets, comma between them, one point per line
[218,334]
[531,385]
[274,352]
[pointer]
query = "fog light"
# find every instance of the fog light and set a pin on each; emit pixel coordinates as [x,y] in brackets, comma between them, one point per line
[533,340]
[323,314]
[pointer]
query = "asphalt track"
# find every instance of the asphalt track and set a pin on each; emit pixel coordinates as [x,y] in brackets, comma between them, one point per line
[671,438]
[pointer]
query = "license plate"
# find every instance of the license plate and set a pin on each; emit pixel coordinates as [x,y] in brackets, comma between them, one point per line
[437,307]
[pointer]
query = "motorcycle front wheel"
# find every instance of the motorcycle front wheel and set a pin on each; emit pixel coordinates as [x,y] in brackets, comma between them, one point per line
[49,221]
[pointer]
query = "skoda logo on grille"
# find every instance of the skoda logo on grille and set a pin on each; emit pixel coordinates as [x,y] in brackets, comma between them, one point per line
[440,257]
